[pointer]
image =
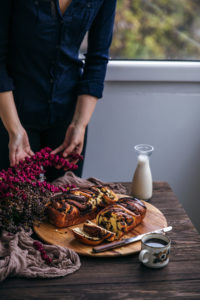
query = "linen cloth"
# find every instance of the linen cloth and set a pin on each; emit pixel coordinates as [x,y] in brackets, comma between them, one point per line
[70,178]
[19,258]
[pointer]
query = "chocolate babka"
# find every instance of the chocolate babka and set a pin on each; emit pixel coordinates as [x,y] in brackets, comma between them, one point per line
[122,217]
[78,205]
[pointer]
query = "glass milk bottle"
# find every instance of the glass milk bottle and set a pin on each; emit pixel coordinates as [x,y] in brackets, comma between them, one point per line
[142,186]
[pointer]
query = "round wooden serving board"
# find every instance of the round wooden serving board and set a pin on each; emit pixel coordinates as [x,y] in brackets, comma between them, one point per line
[154,219]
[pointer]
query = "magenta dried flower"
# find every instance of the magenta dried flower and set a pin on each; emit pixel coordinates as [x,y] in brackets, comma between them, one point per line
[25,193]
[48,260]
[37,245]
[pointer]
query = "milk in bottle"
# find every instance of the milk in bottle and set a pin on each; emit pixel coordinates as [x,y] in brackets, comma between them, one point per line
[142,186]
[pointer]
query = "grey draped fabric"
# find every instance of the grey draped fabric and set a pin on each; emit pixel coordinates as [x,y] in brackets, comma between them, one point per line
[70,178]
[19,258]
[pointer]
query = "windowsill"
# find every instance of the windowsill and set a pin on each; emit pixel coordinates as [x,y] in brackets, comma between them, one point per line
[169,71]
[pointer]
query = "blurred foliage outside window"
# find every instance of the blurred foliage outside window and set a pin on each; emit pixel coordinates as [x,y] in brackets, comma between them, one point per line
[156,30]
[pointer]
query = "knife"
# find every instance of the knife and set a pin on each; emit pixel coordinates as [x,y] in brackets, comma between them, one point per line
[123,242]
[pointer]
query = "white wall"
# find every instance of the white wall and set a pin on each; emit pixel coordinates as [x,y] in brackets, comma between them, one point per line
[163,114]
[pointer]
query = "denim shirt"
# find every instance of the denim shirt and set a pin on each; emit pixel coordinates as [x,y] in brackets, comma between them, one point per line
[39,55]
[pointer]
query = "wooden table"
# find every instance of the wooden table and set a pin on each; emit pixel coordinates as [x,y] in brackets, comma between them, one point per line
[125,277]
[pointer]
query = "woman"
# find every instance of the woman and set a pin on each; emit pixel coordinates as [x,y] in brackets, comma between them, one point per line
[47,94]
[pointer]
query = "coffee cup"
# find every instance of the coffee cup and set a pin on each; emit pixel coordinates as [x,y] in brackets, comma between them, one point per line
[155,249]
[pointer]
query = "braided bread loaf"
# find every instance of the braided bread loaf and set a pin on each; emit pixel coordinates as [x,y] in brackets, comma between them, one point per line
[122,217]
[78,206]
[112,222]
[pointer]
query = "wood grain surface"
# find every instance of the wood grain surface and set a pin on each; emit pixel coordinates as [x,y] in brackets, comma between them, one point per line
[154,219]
[124,277]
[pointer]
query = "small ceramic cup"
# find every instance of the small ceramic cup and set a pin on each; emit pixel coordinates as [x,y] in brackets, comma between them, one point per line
[155,250]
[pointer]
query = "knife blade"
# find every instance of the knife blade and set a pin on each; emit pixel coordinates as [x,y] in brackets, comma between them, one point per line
[123,242]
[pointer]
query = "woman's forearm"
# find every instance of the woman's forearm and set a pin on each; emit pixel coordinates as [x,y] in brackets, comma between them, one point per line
[8,113]
[84,110]
[19,147]
[74,138]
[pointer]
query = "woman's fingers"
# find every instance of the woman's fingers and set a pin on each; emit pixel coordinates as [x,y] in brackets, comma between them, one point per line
[20,155]
[71,148]
[30,152]
[76,149]
[79,148]
[58,149]
[17,159]
[12,158]
[73,143]
[19,147]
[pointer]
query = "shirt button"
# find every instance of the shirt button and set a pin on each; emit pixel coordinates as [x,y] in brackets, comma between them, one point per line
[58,46]
[50,101]
[51,80]
[36,2]
[89,5]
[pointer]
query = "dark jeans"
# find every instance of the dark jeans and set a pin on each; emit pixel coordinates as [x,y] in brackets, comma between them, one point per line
[51,137]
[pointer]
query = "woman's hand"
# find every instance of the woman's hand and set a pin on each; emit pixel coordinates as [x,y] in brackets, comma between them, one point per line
[19,147]
[75,133]
[73,141]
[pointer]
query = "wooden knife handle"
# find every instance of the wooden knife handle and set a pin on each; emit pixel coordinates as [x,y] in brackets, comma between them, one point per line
[108,246]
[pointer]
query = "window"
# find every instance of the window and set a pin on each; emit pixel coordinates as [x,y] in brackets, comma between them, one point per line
[156,30]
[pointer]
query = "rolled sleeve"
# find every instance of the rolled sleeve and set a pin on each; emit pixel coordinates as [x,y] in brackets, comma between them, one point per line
[97,56]
[6,82]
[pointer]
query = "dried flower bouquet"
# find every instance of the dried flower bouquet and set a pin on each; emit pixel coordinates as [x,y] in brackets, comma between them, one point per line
[23,193]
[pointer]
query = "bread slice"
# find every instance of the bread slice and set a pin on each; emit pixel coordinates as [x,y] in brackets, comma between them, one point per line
[118,219]
[92,234]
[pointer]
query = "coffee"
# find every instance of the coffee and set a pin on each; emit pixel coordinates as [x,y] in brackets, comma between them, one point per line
[155,249]
[157,243]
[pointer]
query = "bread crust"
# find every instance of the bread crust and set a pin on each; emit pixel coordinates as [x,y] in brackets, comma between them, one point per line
[92,234]
[136,206]
[63,220]
[95,230]
[118,219]
[76,207]
[86,240]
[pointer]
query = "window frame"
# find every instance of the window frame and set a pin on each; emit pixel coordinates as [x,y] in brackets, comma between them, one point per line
[149,70]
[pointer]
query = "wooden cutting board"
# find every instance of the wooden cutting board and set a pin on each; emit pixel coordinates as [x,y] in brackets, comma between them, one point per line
[154,219]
